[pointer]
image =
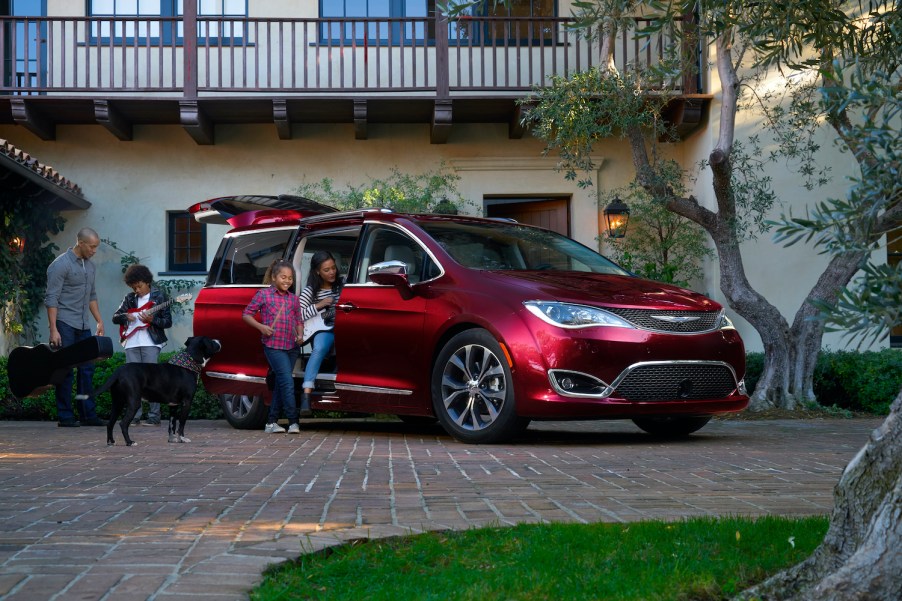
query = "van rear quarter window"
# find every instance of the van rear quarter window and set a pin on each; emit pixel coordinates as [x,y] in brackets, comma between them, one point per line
[243,259]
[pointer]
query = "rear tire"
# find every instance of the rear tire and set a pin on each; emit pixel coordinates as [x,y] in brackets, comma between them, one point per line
[244,412]
[671,427]
[473,390]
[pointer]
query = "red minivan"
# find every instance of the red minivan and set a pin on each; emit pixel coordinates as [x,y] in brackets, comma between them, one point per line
[481,324]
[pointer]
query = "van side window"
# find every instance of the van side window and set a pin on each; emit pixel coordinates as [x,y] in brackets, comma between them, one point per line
[247,256]
[340,243]
[389,244]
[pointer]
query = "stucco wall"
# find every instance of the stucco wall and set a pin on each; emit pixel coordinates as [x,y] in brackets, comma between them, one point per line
[132,184]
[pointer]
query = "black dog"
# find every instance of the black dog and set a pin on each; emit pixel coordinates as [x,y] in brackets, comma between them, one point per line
[170,383]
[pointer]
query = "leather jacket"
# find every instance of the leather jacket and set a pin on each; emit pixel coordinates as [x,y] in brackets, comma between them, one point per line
[161,319]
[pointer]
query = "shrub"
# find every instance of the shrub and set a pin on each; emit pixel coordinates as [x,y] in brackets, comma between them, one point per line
[43,405]
[867,381]
[857,381]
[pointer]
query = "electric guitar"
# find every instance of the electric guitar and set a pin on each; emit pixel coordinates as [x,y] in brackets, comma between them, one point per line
[316,324]
[313,326]
[128,329]
[32,369]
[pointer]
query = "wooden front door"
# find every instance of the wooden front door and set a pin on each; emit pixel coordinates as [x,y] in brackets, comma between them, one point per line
[552,213]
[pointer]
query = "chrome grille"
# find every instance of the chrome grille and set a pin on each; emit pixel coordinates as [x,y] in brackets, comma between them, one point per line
[644,318]
[668,382]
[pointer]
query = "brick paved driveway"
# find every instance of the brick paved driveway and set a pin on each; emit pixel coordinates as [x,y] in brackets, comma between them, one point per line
[79,520]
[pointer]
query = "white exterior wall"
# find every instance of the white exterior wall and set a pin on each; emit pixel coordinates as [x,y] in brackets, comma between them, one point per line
[132,184]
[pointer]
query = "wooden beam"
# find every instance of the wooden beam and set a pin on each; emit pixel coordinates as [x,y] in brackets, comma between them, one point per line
[26,115]
[441,122]
[360,123]
[515,128]
[196,122]
[686,114]
[107,115]
[280,117]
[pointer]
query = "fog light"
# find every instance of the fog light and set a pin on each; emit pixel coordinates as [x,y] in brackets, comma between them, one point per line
[742,389]
[574,383]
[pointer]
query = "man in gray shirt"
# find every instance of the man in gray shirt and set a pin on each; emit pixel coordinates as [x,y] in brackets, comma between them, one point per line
[71,301]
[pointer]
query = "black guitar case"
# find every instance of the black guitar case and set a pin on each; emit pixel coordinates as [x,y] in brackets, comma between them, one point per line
[34,368]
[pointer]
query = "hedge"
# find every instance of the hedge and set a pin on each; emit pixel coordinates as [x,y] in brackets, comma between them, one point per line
[866,382]
[43,405]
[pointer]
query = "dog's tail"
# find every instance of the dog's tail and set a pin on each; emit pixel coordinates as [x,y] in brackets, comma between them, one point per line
[106,385]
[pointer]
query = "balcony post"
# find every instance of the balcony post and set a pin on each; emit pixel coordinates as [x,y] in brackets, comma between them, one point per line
[442,85]
[690,52]
[189,48]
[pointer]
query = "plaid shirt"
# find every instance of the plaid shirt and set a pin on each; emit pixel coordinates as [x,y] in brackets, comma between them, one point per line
[270,302]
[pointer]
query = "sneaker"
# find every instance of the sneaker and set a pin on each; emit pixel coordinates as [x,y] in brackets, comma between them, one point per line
[294,429]
[149,423]
[68,423]
[274,429]
[94,421]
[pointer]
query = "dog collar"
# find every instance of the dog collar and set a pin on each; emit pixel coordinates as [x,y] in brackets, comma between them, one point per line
[186,361]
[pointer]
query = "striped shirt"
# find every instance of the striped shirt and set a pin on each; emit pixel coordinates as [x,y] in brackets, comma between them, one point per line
[270,302]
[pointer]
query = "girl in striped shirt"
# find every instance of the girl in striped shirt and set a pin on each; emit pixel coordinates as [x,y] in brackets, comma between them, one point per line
[320,293]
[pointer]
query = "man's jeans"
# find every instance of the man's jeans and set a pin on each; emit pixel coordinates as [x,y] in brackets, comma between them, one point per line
[322,344]
[282,363]
[84,385]
[145,354]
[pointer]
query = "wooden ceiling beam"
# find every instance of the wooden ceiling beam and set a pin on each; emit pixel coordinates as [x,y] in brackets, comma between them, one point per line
[196,122]
[108,116]
[280,118]
[32,119]
[441,122]
[360,119]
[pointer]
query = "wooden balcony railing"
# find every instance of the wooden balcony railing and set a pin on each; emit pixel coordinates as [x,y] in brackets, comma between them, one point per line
[194,57]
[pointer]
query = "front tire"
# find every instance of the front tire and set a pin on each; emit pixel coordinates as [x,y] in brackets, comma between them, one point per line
[473,391]
[244,412]
[671,427]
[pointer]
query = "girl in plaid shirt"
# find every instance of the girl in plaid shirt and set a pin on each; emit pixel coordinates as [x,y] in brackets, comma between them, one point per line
[281,327]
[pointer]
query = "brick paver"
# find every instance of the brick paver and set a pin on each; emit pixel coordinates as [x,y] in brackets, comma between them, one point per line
[80,520]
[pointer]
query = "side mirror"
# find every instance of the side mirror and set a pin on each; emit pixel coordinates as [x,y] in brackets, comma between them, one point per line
[389,273]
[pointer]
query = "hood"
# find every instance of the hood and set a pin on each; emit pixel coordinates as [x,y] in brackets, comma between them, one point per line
[599,289]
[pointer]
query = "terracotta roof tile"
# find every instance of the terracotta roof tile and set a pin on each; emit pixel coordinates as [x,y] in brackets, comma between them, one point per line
[45,171]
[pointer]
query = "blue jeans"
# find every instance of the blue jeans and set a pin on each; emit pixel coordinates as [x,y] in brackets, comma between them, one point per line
[84,384]
[145,354]
[322,344]
[282,363]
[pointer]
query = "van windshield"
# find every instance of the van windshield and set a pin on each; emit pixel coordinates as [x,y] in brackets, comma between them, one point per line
[513,247]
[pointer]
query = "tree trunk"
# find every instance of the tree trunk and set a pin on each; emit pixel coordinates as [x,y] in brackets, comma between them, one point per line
[807,333]
[860,557]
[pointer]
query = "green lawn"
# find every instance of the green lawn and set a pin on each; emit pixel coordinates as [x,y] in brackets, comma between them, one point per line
[697,559]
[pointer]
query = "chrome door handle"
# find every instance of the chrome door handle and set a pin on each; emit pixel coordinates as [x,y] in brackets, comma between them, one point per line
[346,307]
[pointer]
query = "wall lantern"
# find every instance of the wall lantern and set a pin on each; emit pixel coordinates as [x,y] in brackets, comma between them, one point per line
[17,245]
[617,217]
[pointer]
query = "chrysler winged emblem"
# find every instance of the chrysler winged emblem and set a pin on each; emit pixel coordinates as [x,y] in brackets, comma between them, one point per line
[675,318]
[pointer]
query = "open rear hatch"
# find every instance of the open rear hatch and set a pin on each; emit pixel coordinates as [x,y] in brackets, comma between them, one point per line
[241,210]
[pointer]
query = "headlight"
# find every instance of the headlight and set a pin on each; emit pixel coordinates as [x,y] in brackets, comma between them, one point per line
[724,323]
[567,315]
